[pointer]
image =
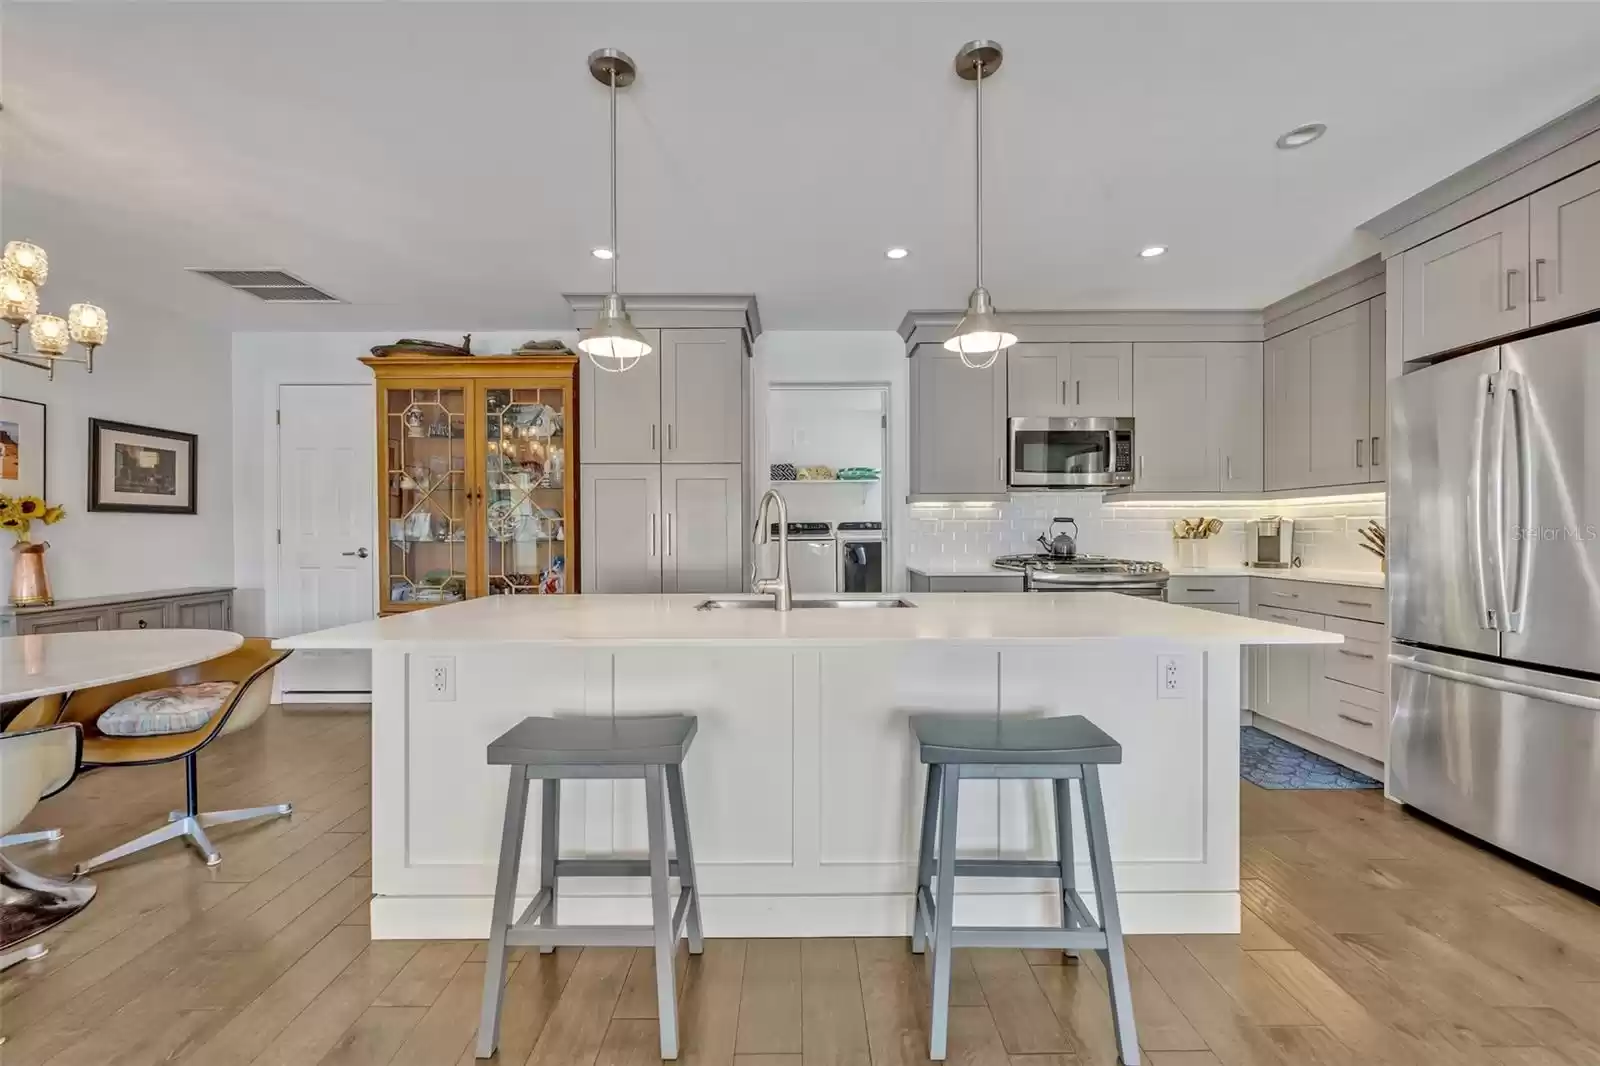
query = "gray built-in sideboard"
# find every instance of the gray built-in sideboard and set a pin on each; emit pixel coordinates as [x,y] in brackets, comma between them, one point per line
[199,607]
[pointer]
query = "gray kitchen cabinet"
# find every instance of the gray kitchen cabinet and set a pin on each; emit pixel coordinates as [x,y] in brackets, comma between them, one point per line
[1340,347]
[1318,402]
[1467,285]
[1000,581]
[1092,379]
[620,412]
[1171,419]
[703,534]
[621,527]
[1564,240]
[702,396]
[1378,393]
[1197,417]
[202,607]
[958,427]
[1233,386]
[1281,687]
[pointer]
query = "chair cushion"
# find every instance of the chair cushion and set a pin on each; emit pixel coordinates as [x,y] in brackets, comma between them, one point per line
[180,709]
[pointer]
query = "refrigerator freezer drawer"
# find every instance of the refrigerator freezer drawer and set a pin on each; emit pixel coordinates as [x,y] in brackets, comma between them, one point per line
[1507,754]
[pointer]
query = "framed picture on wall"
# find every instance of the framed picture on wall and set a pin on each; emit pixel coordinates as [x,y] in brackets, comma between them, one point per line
[140,469]
[22,465]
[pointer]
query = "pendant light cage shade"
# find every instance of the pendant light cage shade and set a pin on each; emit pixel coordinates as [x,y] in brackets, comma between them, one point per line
[980,336]
[615,344]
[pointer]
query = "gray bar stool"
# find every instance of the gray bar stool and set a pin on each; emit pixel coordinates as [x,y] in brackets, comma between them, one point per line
[957,747]
[550,749]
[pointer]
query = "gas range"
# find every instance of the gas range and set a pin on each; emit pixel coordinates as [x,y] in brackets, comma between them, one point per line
[1088,573]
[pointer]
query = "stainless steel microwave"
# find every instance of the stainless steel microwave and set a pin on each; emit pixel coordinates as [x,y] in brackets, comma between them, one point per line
[1069,452]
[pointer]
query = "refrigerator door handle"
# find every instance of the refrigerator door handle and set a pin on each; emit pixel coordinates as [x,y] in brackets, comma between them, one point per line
[1475,505]
[1514,383]
[1514,688]
[1501,386]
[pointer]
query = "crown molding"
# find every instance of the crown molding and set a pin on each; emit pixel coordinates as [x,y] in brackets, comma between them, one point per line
[677,311]
[933,327]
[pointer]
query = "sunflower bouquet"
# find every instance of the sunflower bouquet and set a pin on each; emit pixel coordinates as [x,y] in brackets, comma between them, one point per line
[19,513]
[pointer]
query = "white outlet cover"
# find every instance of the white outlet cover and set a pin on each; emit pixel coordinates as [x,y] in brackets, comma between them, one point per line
[439,679]
[1172,680]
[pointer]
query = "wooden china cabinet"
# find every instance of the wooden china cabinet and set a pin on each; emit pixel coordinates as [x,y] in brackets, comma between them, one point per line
[477,476]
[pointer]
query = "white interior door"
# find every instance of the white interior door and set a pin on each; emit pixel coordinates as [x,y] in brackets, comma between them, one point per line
[326,524]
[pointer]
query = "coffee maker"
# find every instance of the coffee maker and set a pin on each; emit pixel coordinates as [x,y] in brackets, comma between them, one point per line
[1271,543]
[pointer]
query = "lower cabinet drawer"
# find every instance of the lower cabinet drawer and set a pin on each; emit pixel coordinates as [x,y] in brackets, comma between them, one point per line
[1353,718]
[1360,660]
[140,616]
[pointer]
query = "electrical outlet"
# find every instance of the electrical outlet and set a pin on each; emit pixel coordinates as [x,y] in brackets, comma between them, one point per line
[1169,677]
[441,678]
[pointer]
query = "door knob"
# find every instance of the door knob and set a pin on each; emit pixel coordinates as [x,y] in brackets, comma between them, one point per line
[359,553]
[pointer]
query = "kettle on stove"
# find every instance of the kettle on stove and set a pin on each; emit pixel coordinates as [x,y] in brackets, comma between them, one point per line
[1063,545]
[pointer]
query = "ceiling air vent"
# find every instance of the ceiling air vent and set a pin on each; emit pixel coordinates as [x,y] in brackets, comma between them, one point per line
[273,286]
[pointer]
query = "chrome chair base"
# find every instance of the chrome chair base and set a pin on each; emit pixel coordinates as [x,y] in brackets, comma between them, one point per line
[31,903]
[42,836]
[190,827]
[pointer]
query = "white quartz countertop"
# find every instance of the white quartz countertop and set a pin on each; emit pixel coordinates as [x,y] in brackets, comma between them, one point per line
[954,618]
[44,663]
[1371,579]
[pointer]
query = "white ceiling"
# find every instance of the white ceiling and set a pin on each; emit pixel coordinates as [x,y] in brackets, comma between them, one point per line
[444,164]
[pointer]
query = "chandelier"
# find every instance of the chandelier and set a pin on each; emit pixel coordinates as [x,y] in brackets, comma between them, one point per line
[23,269]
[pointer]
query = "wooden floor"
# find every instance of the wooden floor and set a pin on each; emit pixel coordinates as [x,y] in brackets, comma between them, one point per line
[1369,937]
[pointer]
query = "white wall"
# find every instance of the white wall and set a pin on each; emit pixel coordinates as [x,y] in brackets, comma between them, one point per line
[155,371]
[853,356]
[262,362]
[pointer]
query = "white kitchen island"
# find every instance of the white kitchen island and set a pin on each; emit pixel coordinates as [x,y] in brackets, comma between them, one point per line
[803,786]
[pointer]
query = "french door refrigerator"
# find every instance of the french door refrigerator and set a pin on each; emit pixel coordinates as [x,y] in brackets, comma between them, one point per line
[1494,592]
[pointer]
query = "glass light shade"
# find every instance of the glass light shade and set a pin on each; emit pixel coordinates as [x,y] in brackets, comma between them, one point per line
[614,345]
[26,261]
[87,324]
[19,298]
[980,336]
[49,334]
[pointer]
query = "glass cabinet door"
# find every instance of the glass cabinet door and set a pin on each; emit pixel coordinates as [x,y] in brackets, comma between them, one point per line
[426,496]
[525,491]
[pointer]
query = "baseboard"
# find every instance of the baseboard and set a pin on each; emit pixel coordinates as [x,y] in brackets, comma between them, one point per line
[468,917]
[1328,750]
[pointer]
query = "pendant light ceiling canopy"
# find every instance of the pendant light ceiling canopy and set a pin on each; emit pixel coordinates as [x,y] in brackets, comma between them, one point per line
[980,336]
[614,345]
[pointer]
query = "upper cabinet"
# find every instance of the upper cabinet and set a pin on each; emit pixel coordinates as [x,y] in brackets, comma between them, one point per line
[958,426]
[1323,411]
[682,403]
[1534,261]
[1469,284]
[1197,417]
[1564,237]
[702,395]
[1068,379]
[1378,393]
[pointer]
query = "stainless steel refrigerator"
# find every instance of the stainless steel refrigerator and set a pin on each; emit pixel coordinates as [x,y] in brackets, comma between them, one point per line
[1494,593]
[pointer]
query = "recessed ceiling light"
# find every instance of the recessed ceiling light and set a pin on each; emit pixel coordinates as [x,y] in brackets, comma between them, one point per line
[601,253]
[897,253]
[1301,136]
[1153,251]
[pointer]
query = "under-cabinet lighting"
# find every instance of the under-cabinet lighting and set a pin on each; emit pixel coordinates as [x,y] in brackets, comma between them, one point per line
[1209,503]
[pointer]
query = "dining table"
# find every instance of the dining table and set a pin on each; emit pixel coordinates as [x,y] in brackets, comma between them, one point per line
[42,664]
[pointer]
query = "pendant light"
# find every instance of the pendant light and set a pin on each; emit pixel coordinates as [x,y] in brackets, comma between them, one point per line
[614,345]
[980,336]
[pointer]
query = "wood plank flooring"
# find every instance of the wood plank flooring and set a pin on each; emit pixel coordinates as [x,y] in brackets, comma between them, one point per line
[1369,937]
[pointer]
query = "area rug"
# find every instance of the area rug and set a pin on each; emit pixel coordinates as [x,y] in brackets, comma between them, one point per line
[1270,762]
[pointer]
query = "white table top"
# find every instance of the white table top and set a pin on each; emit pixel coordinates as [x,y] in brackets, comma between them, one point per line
[63,662]
[939,617]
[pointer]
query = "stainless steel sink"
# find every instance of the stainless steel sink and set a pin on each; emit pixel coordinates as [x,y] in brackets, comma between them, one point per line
[798,604]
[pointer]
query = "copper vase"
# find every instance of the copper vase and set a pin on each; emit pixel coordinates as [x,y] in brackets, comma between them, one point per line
[30,585]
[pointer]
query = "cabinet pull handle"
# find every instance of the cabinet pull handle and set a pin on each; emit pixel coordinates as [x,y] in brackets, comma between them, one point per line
[1511,289]
[653,541]
[669,532]
[1353,654]
[1063,394]
[1230,468]
[1141,464]
[1200,588]
[1357,721]
[1538,281]
[144,623]
[652,436]
[1356,603]
[1000,469]
[1077,393]
[669,436]
[1359,444]
[1288,595]
[1372,454]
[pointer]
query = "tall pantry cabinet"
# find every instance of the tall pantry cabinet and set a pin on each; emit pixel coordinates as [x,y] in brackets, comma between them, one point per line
[662,500]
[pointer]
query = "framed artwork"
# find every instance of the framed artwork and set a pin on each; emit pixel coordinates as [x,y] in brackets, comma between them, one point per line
[22,465]
[140,469]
